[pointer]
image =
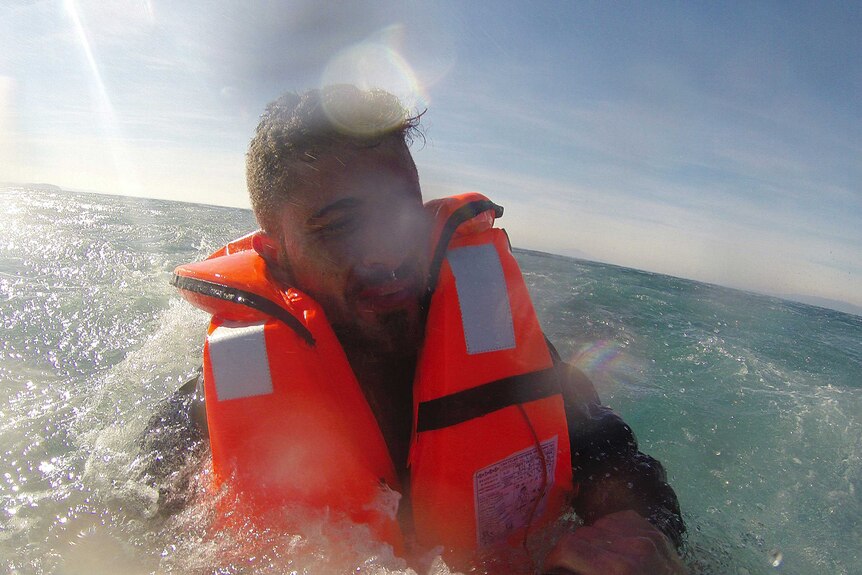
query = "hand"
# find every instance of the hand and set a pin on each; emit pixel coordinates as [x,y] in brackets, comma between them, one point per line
[622,543]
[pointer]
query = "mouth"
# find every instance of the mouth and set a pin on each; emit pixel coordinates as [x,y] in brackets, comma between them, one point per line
[387,296]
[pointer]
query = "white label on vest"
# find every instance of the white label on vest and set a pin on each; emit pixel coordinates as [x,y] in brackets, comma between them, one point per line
[506,492]
[483,297]
[239,362]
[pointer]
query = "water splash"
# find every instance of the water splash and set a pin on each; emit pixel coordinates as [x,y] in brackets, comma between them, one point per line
[94,338]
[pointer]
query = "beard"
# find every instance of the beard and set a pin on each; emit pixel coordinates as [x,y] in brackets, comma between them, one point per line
[397,333]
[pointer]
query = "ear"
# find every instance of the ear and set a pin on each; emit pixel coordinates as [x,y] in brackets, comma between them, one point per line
[266,247]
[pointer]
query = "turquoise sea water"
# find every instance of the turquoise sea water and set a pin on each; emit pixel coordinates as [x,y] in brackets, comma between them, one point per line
[754,404]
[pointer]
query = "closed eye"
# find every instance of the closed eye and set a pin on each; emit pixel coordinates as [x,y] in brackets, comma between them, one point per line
[336,218]
[341,225]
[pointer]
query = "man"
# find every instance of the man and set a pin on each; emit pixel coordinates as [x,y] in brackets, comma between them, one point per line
[347,248]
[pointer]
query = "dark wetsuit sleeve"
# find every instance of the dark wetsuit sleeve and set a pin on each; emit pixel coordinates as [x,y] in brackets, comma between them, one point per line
[173,443]
[609,472]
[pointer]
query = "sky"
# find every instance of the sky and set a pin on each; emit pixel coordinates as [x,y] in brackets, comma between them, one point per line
[716,141]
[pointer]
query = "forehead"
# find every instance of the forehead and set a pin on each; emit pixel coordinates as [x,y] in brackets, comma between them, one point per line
[371,173]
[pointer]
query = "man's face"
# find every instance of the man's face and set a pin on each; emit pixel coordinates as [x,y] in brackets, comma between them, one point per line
[355,238]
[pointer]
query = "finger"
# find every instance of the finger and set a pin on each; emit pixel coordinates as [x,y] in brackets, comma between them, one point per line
[627,521]
[630,524]
[589,533]
[587,557]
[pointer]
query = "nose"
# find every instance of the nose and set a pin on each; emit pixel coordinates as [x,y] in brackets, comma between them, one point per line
[388,242]
[383,251]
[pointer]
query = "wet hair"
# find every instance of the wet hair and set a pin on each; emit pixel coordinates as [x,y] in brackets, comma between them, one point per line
[300,127]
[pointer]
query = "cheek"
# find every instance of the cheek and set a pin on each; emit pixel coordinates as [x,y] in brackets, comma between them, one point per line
[325,283]
[415,232]
[318,273]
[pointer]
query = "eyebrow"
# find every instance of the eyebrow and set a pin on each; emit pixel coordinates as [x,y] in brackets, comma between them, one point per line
[342,204]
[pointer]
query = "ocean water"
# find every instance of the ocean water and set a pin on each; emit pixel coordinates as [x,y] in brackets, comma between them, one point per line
[754,404]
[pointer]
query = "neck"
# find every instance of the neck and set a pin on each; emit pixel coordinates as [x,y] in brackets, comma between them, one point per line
[387,381]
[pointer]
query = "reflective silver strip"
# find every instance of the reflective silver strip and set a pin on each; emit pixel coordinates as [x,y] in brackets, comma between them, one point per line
[239,363]
[483,297]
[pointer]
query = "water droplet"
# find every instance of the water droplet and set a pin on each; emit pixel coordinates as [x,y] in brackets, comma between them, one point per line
[775,557]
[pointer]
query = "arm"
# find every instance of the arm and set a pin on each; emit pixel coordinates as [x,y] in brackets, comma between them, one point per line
[173,444]
[610,472]
[632,517]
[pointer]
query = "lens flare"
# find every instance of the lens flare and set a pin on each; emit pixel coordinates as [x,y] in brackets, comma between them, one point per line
[608,365]
[598,357]
[378,64]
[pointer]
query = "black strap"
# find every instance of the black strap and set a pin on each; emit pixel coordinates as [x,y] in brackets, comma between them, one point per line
[245,298]
[466,212]
[478,401]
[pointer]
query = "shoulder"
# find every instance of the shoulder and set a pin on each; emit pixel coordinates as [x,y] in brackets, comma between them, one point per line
[584,408]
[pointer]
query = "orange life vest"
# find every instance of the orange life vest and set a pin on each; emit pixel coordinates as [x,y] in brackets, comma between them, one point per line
[288,422]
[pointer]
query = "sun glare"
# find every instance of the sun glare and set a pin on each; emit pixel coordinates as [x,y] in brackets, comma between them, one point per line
[111,134]
[378,63]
